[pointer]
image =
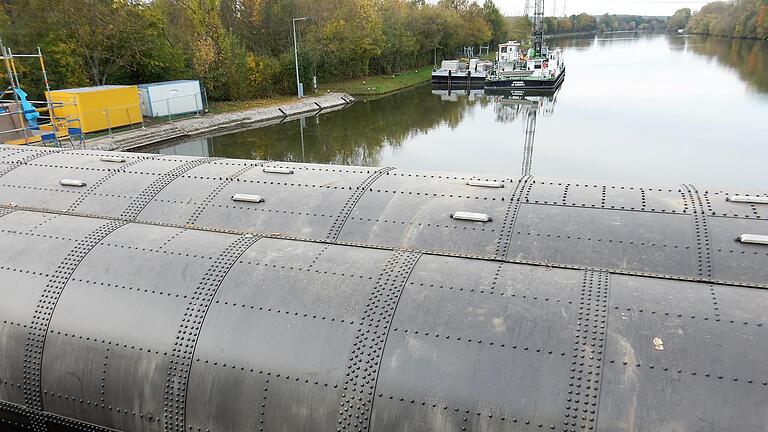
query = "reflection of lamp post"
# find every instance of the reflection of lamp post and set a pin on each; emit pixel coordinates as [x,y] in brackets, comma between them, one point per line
[299,87]
[301,130]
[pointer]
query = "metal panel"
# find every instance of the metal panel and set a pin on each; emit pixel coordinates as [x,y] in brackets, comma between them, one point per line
[429,183]
[19,291]
[104,382]
[622,240]
[472,314]
[38,186]
[34,346]
[161,164]
[188,331]
[317,175]
[288,285]
[440,378]
[537,283]
[234,400]
[114,195]
[736,261]
[17,154]
[182,200]
[22,248]
[607,196]
[290,209]
[717,205]
[706,377]
[423,221]
[365,360]
[81,160]
[283,346]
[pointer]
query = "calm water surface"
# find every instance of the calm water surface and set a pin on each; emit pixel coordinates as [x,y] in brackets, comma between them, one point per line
[642,108]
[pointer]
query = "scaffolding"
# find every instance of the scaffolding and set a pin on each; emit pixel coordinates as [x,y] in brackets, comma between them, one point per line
[26,122]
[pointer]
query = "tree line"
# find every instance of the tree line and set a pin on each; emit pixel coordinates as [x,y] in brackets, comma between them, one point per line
[738,19]
[584,23]
[241,49]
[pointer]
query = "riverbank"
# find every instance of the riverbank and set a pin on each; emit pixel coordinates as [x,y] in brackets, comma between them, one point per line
[240,116]
[378,85]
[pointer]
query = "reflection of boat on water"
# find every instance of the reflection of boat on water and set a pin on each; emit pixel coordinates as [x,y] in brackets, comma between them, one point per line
[509,106]
[520,104]
[460,74]
[451,94]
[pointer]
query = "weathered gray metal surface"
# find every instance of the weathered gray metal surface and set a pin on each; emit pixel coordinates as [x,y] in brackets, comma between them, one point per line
[107,324]
[678,232]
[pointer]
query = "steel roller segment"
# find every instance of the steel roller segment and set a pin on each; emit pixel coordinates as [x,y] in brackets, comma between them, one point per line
[165,328]
[628,228]
[679,232]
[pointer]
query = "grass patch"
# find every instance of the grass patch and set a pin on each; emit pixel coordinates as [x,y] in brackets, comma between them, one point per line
[379,84]
[231,106]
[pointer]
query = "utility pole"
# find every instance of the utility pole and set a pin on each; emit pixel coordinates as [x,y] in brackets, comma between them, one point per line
[299,87]
[527,9]
[538,27]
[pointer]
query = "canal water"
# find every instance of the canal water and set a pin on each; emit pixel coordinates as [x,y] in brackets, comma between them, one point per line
[641,108]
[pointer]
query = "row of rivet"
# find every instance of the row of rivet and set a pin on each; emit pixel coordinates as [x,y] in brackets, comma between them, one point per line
[46,419]
[180,363]
[701,231]
[510,215]
[352,200]
[215,192]
[34,347]
[356,403]
[283,236]
[581,403]
[150,192]
[111,173]
[6,168]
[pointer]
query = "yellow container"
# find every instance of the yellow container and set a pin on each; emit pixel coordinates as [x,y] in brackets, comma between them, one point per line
[98,108]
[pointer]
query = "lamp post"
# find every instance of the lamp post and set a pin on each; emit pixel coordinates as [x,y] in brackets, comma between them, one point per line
[436,47]
[299,91]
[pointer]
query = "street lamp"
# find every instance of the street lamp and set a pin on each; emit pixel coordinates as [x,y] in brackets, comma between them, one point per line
[299,89]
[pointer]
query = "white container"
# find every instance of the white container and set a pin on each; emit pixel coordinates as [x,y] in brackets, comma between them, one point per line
[170,98]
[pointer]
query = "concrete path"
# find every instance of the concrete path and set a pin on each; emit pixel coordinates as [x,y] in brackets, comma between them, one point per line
[216,123]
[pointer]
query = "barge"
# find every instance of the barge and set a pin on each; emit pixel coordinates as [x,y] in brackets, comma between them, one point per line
[543,70]
[459,73]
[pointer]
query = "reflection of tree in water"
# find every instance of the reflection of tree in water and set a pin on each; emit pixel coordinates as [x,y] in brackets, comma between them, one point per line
[353,136]
[747,56]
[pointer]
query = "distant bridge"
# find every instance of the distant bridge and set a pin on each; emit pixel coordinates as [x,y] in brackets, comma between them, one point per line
[149,292]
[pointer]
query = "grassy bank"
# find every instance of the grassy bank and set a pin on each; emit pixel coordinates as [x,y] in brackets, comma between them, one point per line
[369,86]
[379,84]
[216,107]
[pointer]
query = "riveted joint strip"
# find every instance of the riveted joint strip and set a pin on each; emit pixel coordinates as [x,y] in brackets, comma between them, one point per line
[583,395]
[41,318]
[6,168]
[701,231]
[349,205]
[148,194]
[73,207]
[521,191]
[5,210]
[174,403]
[356,403]
[215,192]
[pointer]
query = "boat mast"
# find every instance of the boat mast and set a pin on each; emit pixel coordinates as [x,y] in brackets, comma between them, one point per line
[538,28]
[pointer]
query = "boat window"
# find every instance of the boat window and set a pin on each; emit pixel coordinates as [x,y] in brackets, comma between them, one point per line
[503,50]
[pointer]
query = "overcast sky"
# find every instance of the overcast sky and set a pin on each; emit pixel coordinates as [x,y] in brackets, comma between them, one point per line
[599,7]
